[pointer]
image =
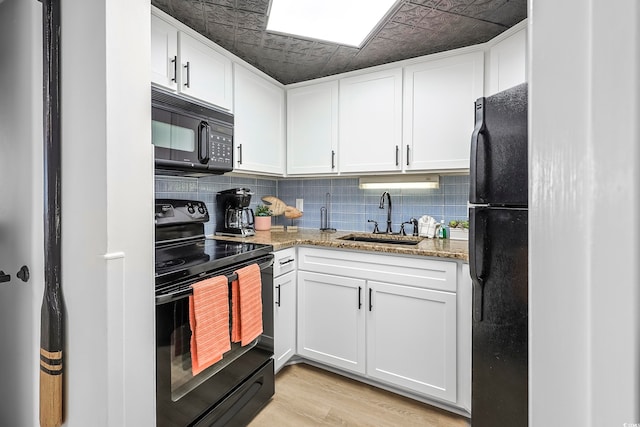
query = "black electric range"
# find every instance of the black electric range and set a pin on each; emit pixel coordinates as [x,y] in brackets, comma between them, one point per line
[232,390]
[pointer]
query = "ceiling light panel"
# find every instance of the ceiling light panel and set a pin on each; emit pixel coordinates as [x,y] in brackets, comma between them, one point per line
[346,22]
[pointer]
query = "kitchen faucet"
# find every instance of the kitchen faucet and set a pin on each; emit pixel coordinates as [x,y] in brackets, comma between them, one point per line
[386,193]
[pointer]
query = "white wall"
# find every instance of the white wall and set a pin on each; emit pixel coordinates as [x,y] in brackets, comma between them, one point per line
[107,213]
[584,195]
[21,226]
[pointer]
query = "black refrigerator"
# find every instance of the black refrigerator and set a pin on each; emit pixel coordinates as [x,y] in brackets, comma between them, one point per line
[498,260]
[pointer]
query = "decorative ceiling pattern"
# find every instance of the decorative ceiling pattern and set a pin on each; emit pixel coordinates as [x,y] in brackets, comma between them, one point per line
[413,28]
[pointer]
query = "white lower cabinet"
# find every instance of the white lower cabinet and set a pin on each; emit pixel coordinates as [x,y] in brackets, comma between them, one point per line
[331,320]
[285,306]
[411,338]
[391,318]
[284,318]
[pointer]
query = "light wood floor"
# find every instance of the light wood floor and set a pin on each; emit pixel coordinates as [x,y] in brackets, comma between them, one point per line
[308,396]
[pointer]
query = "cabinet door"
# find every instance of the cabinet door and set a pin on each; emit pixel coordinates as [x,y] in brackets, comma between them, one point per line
[508,62]
[312,128]
[259,123]
[284,318]
[164,53]
[439,112]
[371,122]
[205,74]
[331,320]
[411,338]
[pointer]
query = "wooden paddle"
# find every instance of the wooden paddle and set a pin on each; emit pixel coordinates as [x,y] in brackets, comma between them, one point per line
[52,313]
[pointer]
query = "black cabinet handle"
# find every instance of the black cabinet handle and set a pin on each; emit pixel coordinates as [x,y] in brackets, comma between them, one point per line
[288,261]
[407,154]
[397,155]
[359,297]
[370,302]
[4,277]
[188,67]
[175,69]
[240,154]
[333,159]
[278,300]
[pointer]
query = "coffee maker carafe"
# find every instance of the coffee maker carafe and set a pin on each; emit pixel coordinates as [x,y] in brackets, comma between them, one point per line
[233,216]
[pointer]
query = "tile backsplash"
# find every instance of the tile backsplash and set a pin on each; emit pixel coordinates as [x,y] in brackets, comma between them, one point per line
[350,207]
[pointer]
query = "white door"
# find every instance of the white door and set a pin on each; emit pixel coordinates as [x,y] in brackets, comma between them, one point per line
[411,338]
[21,226]
[331,320]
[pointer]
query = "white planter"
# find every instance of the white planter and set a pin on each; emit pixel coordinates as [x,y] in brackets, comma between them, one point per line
[459,233]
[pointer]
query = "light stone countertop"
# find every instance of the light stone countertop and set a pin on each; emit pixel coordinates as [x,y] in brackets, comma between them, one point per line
[442,248]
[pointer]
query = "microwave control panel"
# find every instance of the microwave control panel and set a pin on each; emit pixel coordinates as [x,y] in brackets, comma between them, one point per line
[220,148]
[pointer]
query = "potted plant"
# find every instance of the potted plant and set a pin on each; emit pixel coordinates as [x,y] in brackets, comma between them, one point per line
[459,229]
[263,218]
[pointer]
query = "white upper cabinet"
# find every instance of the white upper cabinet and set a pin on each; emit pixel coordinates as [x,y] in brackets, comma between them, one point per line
[259,109]
[205,73]
[312,129]
[439,116]
[182,63]
[164,53]
[370,117]
[508,62]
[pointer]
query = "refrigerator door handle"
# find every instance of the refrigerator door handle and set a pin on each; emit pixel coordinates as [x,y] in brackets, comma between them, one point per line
[477,168]
[477,247]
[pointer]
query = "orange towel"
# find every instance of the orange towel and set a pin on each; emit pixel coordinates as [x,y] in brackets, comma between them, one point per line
[246,302]
[209,321]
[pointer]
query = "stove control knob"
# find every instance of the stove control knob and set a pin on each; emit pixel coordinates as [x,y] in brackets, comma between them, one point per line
[201,209]
[191,209]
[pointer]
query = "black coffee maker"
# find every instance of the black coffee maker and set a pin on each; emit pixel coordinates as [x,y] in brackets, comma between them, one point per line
[233,216]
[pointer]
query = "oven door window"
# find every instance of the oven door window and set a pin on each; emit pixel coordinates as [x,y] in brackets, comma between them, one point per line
[182,379]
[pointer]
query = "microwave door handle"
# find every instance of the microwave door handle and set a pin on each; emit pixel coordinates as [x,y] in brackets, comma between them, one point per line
[203,143]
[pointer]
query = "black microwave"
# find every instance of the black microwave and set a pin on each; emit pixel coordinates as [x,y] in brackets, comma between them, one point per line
[189,138]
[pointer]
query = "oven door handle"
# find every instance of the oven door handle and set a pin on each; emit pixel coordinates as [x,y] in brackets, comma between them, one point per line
[176,295]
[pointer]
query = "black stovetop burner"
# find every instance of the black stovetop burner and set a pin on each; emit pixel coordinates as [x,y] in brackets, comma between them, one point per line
[183,255]
[182,252]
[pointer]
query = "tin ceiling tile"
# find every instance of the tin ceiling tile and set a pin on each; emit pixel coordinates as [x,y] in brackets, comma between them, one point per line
[409,14]
[219,15]
[418,27]
[259,6]
[251,20]
[226,3]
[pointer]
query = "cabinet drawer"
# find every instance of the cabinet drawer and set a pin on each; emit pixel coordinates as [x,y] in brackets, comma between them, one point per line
[406,270]
[284,261]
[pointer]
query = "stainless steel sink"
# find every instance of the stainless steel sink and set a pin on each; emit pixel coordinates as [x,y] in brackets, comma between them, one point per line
[386,239]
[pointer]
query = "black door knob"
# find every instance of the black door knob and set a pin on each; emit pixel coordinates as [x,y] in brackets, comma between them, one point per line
[23,273]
